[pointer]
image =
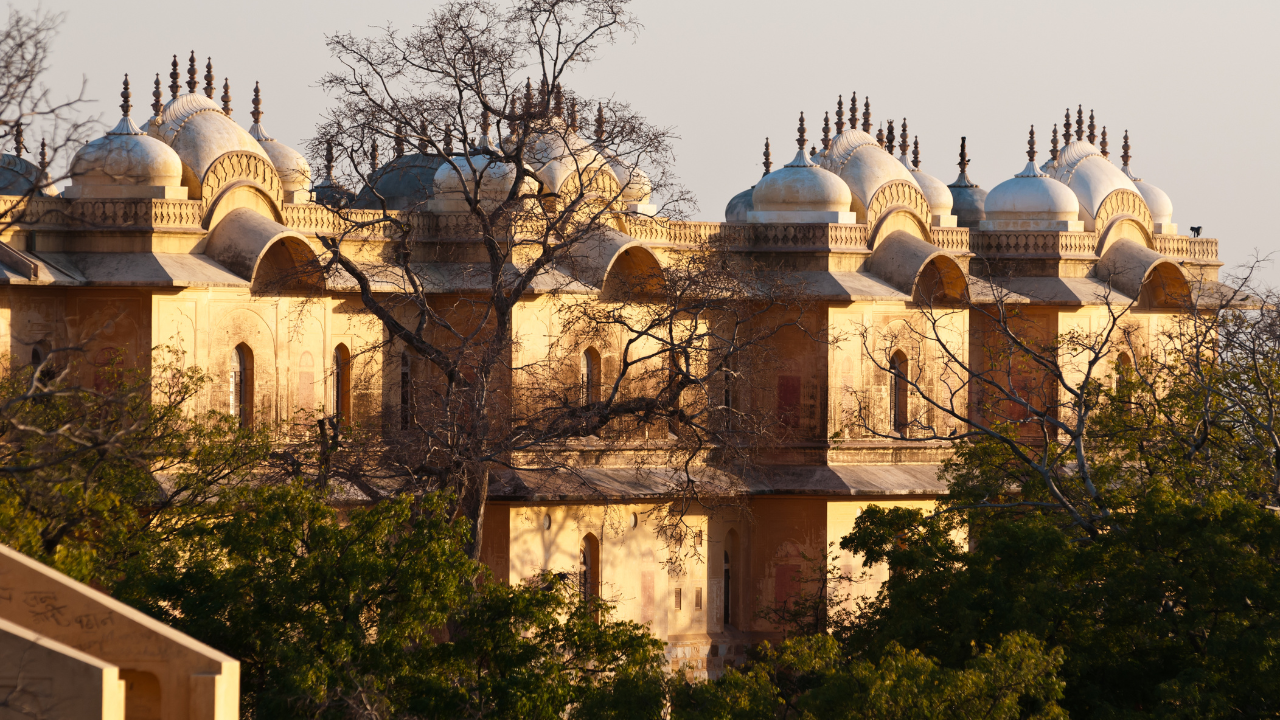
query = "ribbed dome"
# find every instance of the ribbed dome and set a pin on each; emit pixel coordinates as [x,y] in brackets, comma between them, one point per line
[495,180]
[635,183]
[801,186]
[406,183]
[1083,168]
[1031,195]
[20,177]
[739,205]
[200,133]
[560,154]
[125,156]
[858,159]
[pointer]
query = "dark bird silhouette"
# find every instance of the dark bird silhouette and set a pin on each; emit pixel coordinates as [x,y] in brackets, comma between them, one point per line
[1195,230]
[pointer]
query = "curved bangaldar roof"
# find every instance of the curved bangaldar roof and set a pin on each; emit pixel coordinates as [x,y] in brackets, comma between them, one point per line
[1082,167]
[864,166]
[197,129]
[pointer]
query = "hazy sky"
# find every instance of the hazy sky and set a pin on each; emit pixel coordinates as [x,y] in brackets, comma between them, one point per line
[1195,83]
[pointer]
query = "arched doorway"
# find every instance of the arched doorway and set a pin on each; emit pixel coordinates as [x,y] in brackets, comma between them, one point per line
[342,383]
[898,366]
[241,380]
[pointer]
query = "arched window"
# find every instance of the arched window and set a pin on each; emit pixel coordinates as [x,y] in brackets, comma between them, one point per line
[406,391]
[242,384]
[898,397]
[342,383]
[589,569]
[590,376]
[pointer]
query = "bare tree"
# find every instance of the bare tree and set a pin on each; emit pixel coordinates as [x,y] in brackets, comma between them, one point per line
[649,353]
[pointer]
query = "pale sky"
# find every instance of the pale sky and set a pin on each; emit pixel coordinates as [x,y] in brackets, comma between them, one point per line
[1195,83]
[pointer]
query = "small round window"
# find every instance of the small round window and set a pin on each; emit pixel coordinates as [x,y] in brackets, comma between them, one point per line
[635,520]
[546,522]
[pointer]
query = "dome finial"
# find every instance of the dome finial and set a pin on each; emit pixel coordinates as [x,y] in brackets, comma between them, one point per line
[328,160]
[528,100]
[768,161]
[889,138]
[125,97]
[1031,145]
[964,157]
[1102,146]
[1092,127]
[800,130]
[544,97]
[373,156]
[903,145]
[826,131]
[484,123]
[397,142]
[600,122]
[191,74]
[1066,128]
[208,79]
[813,150]
[226,96]
[1053,144]
[1079,122]
[839,114]
[18,146]
[880,135]
[173,78]
[44,155]
[256,112]
[447,145]
[573,114]
[915,153]
[156,105]
[866,115]
[558,108]
[1124,149]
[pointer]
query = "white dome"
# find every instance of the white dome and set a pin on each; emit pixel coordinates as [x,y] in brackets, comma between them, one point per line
[125,156]
[801,186]
[560,154]
[635,183]
[495,179]
[1157,200]
[1031,195]
[1090,175]
[200,133]
[739,205]
[935,191]
[291,166]
[858,159]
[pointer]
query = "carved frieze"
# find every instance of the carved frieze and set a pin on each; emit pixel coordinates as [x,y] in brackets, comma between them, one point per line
[240,165]
[898,193]
[1123,202]
[1032,244]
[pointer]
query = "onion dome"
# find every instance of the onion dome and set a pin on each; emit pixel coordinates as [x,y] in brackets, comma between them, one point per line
[408,181]
[968,200]
[1084,169]
[293,168]
[126,163]
[560,155]
[935,191]
[451,189]
[740,206]
[1030,200]
[801,186]
[198,130]
[863,164]
[19,176]
[1157,200]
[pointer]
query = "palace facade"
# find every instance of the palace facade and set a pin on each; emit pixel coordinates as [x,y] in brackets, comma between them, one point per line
[172,234]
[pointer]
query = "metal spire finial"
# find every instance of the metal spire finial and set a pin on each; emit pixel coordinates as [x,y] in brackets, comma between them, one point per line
[915,153]
[1102,146]
[964,157]
[208,79]
[1031,145]
[880,135]
[813,150]
[558,108]
[1066,128]
[889,138]
[1079,122]
[768,161]
[19,147]
[1124,149]
[1053,144]
[226,96]
[600,122]
[256,112]
[826,131]
[866,115]
[1092,127]
[156,105]
[800,130]
[328,160]
[173,78]
[44,155]
[528,99]
[902,133]
[447,145]
[839,114]
[192,83]
[125,97]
